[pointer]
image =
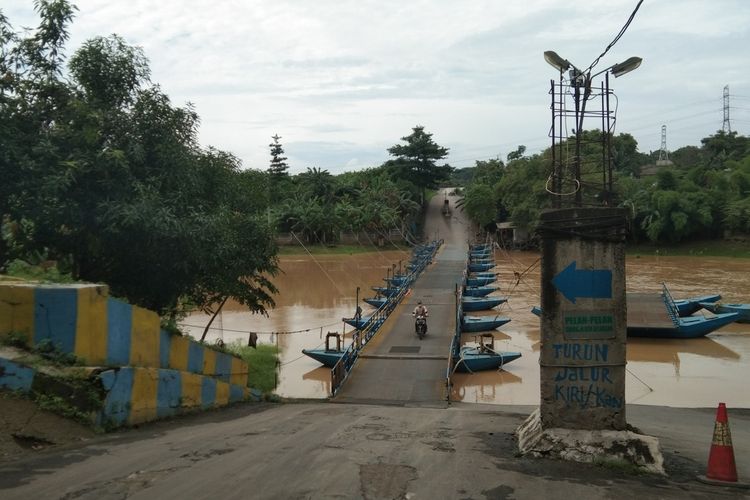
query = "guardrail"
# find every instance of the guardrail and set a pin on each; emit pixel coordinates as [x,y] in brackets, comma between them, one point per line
[674,314]
[422,258]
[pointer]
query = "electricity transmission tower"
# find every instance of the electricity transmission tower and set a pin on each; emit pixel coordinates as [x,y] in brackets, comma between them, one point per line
[727,127]
[663,153]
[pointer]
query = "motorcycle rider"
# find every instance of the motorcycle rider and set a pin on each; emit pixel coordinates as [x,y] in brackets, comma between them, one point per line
[421,312]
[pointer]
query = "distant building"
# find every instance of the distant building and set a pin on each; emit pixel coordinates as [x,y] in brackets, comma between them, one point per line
[511,236]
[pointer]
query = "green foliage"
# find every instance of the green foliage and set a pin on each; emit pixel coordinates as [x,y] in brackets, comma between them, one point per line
[479,204]
[15,339]
[737,215]
[104,174]
[110,71]
[261,361]
[60,406]
[53,354]
[46,272]
[278,167]
[416,160]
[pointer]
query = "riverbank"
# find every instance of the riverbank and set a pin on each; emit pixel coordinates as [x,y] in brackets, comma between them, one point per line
[709,248]
[338,249]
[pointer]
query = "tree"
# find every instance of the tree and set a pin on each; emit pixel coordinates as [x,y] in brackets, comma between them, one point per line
[106,177]
[278,168]
[416,161]
[517,154]
[110,71]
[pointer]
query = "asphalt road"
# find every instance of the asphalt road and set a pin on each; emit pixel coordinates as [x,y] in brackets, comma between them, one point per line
[328,450]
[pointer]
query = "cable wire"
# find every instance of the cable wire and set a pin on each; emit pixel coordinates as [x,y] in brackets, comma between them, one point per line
[617,38]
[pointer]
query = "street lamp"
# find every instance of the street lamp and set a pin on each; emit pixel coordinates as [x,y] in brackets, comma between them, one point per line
[582,80]
[622,68]
[556,61]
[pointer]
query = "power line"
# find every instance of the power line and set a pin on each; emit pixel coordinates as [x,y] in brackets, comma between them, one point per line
[617,38]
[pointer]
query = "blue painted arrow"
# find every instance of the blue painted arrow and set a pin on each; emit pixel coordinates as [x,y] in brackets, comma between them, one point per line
[577,283]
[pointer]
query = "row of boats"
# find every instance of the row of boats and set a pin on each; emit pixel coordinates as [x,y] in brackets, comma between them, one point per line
[384,302]
[474,295]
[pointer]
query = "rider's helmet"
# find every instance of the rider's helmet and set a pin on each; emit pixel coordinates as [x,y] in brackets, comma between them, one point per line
[419,302]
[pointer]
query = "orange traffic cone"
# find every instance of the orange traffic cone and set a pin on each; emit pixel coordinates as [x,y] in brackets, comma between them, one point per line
[721,469]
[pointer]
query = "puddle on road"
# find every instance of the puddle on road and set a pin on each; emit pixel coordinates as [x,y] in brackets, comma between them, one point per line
[691,372]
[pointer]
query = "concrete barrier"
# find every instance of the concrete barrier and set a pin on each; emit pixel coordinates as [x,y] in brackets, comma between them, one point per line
[103,331]
[133,395]
[148,373]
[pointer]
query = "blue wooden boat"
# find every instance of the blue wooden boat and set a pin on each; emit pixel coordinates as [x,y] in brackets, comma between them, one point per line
[376,302]
[387,291]
[480,254]
[480,281]
[473,359]
[743,310]
[688,328]
[483,274]
[686,307]
[684,328]
[480,267]
[358,323]
[478,291]
[481,303]
[328,358]
[482,260]
[396,280]
[482,323]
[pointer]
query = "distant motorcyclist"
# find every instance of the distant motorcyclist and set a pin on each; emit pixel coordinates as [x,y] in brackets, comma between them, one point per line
[420,314]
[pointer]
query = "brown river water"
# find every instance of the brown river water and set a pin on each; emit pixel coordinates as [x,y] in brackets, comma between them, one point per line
[315,293]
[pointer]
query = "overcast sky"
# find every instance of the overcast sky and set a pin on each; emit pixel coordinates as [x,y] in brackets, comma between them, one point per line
[341,81]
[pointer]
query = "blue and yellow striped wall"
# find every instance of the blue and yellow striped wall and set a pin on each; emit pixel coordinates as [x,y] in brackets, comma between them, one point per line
[136,395]
[103,331]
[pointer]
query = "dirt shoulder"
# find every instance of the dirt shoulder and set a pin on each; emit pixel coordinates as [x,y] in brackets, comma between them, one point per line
[26,430]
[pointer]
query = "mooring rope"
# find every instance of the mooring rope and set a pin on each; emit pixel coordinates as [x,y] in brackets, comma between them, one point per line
[267,332]
[318,264]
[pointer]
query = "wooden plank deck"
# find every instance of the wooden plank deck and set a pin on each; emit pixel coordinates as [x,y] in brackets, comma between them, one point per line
[647,310]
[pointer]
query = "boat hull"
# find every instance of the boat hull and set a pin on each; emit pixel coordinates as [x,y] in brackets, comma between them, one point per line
[478,291]
[376,302]
[743,310]
[480,281]
[686,307]
[473,360]
[482,324]
[481,303]
[327,358]
[688,328]
[480,267]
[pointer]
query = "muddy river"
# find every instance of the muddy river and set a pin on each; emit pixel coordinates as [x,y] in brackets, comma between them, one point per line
[315,293]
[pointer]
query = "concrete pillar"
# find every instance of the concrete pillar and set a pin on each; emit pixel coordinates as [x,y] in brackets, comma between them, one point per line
[583,326]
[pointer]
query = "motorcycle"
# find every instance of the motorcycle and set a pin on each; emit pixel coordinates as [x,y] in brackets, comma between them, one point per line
[420,326]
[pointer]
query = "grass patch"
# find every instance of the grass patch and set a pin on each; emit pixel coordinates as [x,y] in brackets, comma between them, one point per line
[44,273]
[339,249]
[261,362]
[710,248]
